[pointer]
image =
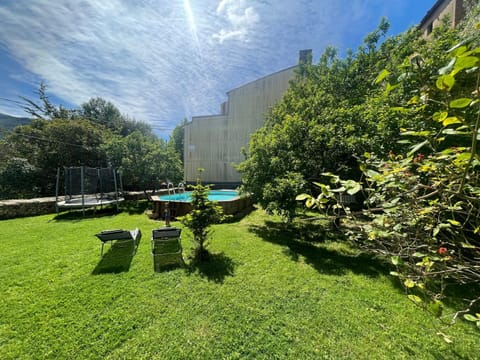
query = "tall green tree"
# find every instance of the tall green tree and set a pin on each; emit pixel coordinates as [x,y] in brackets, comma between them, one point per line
[43,108]
[335,111]
[103,112]
[144,161]
[48,144]
[17,179]
[96,135]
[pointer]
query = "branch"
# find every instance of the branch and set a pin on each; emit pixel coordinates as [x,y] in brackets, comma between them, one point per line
[467,310]
[474,145]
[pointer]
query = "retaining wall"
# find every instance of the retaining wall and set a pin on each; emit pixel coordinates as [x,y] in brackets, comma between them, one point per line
[39,206]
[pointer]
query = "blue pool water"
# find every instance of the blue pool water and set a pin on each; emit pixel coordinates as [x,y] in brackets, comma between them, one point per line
[213,195]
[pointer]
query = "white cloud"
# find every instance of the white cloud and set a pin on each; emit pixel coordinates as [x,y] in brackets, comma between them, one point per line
[160,63]
[139,57]
[240,19]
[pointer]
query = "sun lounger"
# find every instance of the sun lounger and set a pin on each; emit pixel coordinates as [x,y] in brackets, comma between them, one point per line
[120,235]
[166,246]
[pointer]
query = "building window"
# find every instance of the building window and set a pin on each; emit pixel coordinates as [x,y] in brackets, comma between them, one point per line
[430,28]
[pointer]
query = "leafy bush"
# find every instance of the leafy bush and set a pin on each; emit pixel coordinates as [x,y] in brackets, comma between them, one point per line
[334,112]
[96,135]
[204,214]
[423,206]
[17,179]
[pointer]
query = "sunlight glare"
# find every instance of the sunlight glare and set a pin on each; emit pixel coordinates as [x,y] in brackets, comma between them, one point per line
[191,21]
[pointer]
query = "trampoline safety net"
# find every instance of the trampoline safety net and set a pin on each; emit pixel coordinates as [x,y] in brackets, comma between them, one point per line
[86,187]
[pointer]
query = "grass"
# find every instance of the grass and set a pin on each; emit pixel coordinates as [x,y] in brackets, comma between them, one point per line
[268,291]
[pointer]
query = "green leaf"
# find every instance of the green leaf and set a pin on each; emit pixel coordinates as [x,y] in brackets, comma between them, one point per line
[446,69]
[465,63]
[394,273]
[460,44]
[409,283]
[354,190]
[417,147]
[352,187]
[383,74]
[418,254]
[460,103]
[416,133]
[395,260]
[460,50]
[371,173]
[415,298]
[414,100]
[309,203]
[400,109]
[445,82]
[467,246]
[454,222]
[391,87]
[436,307]
[470,317]
[462,157]
[440,116]
[302,197]
[451,120]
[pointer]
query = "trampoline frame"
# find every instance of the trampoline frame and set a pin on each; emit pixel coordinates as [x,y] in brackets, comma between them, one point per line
[83,200]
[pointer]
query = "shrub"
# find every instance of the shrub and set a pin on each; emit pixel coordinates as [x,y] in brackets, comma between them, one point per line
[204,214]
[423,206]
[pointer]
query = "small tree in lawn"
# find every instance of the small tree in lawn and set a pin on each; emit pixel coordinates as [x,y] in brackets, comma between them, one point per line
[203,214]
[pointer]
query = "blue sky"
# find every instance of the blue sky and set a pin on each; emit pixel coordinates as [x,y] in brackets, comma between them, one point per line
[160,61]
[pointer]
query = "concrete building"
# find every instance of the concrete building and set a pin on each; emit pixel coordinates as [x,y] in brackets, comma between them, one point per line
[454,8]
[215,142]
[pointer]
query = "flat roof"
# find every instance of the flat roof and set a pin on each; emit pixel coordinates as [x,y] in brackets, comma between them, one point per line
[261,78]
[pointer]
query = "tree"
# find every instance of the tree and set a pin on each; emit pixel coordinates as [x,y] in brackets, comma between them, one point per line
[422,208]
[144,161]
[45,109]
[332,113]
[204,214]
[96,135]
[103,112]
[17,179]
[176,140]
[49,144]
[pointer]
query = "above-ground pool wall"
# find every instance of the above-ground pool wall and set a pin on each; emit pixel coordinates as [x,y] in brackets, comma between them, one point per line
[178,208]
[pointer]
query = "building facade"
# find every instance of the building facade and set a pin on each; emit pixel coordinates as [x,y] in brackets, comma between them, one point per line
[214,143]
[453,8]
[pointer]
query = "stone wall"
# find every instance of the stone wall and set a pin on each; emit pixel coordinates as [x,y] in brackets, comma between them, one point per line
[26,207]
[30,207]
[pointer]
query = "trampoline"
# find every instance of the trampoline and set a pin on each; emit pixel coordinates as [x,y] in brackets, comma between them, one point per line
[86,187]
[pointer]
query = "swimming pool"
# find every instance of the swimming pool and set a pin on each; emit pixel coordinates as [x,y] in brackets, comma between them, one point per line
[213,195]
[180,204]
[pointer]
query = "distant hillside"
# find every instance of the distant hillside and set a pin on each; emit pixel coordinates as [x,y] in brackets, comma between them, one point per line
[8,122]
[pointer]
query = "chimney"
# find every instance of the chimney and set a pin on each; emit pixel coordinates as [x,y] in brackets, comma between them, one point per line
[305,57]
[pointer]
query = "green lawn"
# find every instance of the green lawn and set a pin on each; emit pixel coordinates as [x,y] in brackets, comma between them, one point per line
[268,292]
